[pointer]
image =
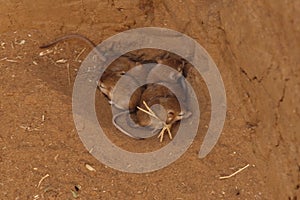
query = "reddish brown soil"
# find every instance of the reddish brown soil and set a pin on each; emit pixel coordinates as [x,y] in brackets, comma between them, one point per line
[256,48]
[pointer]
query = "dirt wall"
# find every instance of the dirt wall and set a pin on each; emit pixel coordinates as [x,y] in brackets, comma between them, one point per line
[256,48]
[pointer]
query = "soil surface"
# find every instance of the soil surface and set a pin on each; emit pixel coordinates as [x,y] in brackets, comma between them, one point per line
[256,48]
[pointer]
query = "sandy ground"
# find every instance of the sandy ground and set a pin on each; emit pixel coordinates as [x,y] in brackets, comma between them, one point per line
[256,48]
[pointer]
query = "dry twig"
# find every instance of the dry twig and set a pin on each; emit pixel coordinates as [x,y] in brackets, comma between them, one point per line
[47,175]
[81,52]
[233,174]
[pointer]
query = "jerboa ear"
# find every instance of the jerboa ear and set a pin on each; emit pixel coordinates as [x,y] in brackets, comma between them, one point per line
[122,121]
